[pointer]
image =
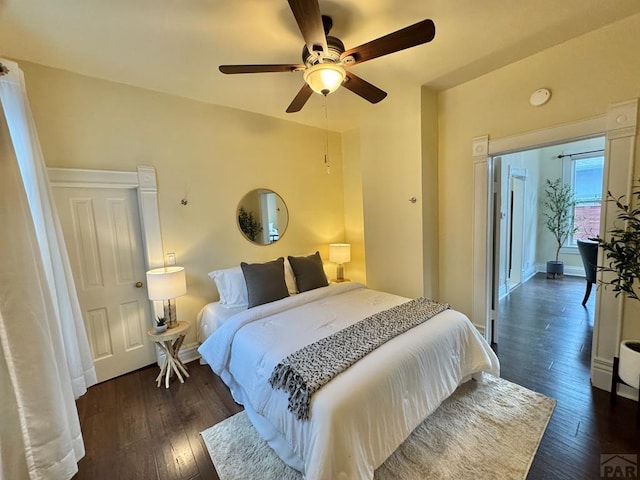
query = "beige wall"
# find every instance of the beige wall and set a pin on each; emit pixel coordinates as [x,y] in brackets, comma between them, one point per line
[207,154]
[391,160]
[353,206]
[430,207]
[586,75]
[212,155]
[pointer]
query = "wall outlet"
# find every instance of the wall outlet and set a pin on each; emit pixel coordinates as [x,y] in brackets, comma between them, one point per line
[171,258]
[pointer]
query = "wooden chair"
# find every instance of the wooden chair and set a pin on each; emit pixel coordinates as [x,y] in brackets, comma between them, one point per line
[589,254]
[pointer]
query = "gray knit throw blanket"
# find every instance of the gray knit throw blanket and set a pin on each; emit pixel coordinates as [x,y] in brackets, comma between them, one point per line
[306,371]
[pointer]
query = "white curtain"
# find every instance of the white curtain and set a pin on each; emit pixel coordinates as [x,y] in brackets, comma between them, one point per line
[45,360]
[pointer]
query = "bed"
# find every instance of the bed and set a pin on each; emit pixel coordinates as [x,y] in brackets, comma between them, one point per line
[211,317]
[361,416]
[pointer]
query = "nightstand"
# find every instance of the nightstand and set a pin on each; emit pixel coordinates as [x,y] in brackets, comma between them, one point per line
[170,342]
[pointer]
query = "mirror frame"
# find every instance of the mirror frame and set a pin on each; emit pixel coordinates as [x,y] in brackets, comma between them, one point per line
[253,207]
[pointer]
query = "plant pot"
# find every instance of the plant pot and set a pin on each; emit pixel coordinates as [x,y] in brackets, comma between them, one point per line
[161,328]
[555,269]
[629,366]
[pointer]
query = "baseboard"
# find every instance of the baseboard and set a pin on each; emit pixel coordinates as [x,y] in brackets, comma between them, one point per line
[188,353]
[503,291]
[480,328]
[601,373]
[529,272]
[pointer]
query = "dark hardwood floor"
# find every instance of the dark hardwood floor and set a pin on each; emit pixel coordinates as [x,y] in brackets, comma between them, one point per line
[544,344]
[134,430]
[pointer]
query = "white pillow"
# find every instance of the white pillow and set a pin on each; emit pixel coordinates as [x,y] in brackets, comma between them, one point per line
[231,287]
[289,277]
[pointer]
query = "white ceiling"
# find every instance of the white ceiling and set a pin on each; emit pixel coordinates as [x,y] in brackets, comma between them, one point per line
[175,46]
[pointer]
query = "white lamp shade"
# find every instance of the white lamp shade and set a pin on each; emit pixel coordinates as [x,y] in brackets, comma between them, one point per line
[166,283]
[324,78]
[339,252]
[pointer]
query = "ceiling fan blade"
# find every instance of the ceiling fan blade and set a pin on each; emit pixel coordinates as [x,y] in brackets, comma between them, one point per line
[417,34]
[230,69]
[301,98]
[363,88]
[307,13]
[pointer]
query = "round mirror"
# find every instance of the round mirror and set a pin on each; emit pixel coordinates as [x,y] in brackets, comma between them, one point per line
[262,216]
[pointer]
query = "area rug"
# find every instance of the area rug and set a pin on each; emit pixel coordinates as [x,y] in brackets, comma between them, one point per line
[490,428]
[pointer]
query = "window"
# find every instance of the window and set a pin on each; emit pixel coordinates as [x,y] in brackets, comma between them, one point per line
[585,174]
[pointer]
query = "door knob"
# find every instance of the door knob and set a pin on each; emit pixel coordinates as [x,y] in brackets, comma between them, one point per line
[139,284]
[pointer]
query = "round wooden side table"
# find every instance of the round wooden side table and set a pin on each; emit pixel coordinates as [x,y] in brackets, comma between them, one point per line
[170,342]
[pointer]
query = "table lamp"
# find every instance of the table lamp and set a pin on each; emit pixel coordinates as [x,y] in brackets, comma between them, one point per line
[166,284]
[340,253]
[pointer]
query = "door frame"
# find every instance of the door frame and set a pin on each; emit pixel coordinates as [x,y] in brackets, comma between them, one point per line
[619,127]
[143,180]
[515,174]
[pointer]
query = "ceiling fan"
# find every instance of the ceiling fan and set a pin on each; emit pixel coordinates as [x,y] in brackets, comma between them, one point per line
[325,58]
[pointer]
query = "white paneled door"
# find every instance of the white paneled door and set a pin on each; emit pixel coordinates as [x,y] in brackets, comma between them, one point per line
[102,232]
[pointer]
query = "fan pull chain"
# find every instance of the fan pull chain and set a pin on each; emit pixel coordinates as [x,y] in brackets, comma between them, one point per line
[326,137]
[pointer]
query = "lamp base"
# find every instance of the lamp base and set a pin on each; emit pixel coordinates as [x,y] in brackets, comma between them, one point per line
[339,280]
[170,313]
[340,273]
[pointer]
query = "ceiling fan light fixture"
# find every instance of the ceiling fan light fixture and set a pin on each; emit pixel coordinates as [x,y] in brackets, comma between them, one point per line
[324,78]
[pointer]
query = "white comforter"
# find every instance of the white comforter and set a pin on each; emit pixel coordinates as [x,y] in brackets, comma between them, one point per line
[361,416]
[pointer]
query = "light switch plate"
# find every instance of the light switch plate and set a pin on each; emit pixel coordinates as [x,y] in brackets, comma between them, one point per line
[171,258]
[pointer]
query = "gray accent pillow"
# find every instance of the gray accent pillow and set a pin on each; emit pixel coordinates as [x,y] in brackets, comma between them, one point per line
[265,281]
[308,272]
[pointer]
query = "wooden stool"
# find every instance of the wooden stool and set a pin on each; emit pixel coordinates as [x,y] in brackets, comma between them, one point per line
[170,342]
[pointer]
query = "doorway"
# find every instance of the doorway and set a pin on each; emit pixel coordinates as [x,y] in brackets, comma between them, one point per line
[111,227]
[514,217]
[619,123]
[516,227]
[101,228]
[525,244]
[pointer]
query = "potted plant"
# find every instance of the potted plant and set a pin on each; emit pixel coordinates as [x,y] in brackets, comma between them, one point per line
[622,250]
[248,224]
[622,255]
[161,325]
[558,209]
